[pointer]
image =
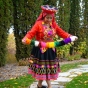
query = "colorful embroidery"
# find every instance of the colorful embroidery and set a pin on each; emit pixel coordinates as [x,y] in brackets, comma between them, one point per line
[49,32]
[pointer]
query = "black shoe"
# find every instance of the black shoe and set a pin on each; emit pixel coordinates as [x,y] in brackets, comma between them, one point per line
[44,86]
[41,87]
[38,86]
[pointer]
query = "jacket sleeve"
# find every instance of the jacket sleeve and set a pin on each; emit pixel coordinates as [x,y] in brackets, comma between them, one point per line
[31,33]
[61,32]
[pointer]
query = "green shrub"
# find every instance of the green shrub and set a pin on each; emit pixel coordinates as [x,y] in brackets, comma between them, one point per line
[76,56]
[23,62]
[10,58]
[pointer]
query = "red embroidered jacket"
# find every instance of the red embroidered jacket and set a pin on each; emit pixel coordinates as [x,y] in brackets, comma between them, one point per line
[37,31]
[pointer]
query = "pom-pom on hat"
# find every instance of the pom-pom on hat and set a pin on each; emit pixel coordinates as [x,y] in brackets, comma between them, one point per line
[49,9]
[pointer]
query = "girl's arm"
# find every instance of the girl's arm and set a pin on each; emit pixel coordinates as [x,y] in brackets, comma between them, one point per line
[61,32]
[30,34]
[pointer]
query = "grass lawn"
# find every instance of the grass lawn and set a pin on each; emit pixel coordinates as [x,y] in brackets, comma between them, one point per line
[79,82]
[20,82]
[25,81]
[66,67]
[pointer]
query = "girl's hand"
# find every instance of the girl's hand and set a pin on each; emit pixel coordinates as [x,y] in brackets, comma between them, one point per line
[73,38]
[26,41]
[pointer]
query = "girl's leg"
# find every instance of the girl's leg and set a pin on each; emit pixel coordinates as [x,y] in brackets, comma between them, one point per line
[40,83]
[49,83]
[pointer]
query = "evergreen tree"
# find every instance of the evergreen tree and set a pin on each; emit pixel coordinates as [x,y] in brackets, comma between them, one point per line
[25,14]
[85,14]
[50,2]
[85,25]
[64,14]
[5,23]
[74,21]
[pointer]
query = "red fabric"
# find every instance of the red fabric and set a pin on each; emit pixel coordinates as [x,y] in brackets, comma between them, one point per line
[37,31]
[43,14]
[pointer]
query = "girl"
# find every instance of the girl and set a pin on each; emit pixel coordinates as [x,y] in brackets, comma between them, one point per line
[43,63]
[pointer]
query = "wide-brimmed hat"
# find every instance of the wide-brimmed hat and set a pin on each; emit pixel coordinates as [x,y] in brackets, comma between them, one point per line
[49,9]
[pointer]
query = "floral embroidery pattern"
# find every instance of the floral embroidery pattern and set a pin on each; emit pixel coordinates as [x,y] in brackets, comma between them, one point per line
[49,32]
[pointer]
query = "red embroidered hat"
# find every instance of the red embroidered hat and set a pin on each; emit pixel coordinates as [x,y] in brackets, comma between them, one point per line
[49,9]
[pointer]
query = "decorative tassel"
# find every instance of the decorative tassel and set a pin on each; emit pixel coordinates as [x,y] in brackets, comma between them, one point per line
[67,40]
[47,44]
[57,43]
[32,42]
[28,41]
[51,45]
[43,44]
[36,43]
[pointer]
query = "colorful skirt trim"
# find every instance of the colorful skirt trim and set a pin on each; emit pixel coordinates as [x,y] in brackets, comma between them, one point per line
[44,66]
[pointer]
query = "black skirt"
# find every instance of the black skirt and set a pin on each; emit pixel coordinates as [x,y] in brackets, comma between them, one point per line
[44,66]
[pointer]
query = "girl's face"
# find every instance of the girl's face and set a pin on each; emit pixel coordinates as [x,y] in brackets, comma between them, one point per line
[48,19]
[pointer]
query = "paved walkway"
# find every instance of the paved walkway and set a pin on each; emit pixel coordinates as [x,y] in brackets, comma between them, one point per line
[65,77]
[10,71]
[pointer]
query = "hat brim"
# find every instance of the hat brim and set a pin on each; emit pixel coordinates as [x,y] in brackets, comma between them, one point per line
[49,9]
